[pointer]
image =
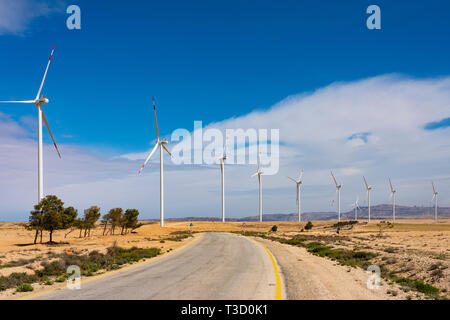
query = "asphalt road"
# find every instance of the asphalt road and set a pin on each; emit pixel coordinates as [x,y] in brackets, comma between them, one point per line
[217,266]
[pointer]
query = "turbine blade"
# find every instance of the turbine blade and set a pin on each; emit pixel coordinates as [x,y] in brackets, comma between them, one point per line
[365,182]
[148,158]
[335,181]
[292,179]
[434,189]
[256,173]
[301,175]
[45,74]
[156,121]
[390,183]
[224,154]
[48,128]
[24,101]
[259,160]
[164,147]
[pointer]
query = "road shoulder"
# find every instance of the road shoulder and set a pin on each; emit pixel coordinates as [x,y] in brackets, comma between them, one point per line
[309,277]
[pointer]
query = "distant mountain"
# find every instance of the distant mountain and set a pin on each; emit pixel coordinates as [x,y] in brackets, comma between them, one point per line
[382,211]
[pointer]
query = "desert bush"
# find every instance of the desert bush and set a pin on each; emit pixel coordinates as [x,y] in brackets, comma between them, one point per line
[344,223]
[15,279]
[309,225]
[274,228]
[24,287]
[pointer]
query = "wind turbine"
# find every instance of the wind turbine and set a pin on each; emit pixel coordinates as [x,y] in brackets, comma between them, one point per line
[368,189]
[393,191]
[338,191]
[222,171]
[298,182]
[355,206]
[259,173]
[435,194]
[39,101]
[161,144]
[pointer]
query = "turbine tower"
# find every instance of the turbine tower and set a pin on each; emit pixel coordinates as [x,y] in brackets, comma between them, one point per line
[435,194]
[393,191]
[338,191]
[355,207]
[161,144]
[298,182]
[222,171]
[368,189]
[259,173]
[39,101]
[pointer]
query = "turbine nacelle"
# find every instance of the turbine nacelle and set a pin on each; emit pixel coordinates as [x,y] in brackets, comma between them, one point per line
[42,100]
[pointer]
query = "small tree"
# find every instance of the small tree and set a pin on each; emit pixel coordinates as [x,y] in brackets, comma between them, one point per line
[274,228]
[52,210]
[91,216]
[309,225]
[105,220]
[79,223]
[35,223]
[116,218]
[131,220]
[69,216]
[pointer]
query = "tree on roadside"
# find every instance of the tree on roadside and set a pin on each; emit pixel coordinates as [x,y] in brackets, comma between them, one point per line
[68,218]
[79,224]
[130,221]
[105,220]
[35,223]
[91,216]
[116,218]
[52,209]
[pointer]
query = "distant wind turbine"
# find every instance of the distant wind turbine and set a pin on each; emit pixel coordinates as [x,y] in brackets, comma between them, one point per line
[435,194]
[259,173]
[368,189]
[222,170]
[355,207]
[39,101]
[338,191]
[393,191]
[298,182]
[161,144]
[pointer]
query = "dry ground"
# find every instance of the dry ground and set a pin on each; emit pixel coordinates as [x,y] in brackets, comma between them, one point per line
[418,249]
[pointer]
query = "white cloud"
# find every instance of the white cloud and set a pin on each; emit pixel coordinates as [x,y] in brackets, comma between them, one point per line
[17,15]
[314,131]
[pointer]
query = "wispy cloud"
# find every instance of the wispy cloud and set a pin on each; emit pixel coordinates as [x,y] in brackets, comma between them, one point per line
[17,15]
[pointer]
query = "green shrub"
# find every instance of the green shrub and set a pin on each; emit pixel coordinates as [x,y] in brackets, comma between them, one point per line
[274,229]
[309,226]
[24,287]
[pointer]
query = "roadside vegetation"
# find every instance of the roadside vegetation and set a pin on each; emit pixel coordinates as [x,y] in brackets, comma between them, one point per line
[90,264]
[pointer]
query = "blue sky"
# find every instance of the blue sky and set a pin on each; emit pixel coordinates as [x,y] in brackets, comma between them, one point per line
[208,60]
[203,60]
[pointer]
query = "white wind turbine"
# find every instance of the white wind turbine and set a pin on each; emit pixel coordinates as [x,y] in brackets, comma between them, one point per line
[259,173]
[298,182]
[39,101]
[393,191]
[161,144]
[435,194]
[368,189]
[338,191]
[222,171]
[355,207]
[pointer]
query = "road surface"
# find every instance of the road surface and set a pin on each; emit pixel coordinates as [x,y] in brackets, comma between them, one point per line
[217,266]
